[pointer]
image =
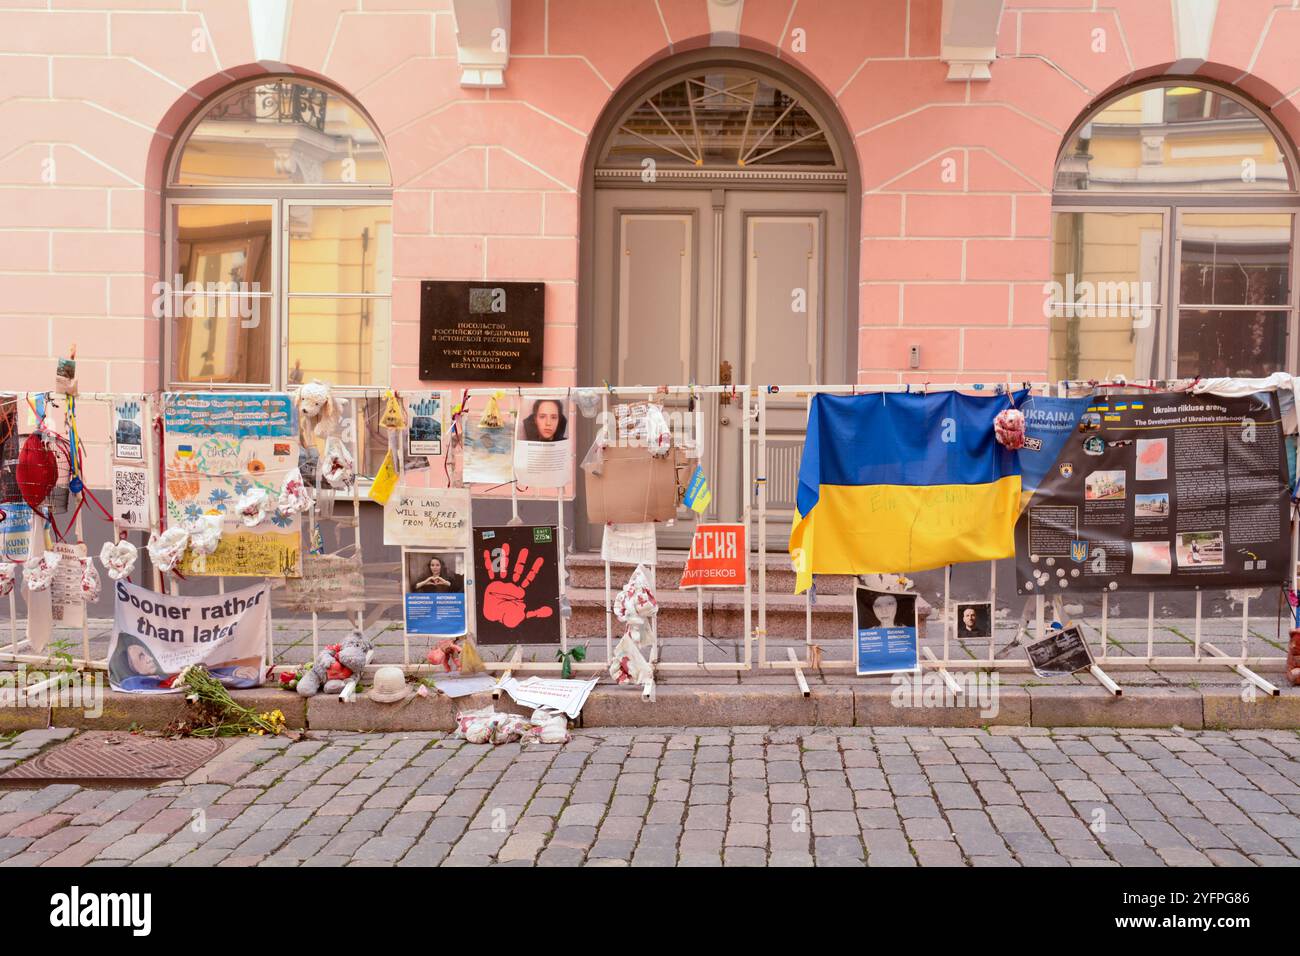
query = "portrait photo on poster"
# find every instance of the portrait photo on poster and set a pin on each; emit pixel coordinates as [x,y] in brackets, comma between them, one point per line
[518,585]
[884,632]
[434,592]
[975,619]
[543,448]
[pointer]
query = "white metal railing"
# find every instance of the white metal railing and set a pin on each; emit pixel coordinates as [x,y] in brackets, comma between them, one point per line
[752,643]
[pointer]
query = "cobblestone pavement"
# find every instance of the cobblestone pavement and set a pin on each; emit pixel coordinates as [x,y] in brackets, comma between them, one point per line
[662,797]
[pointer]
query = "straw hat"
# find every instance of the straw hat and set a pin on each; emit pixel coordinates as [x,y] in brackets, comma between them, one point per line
[389,686]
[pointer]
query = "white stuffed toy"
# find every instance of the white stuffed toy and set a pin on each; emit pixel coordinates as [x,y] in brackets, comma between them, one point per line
[39,574]
[118,558]
[8,572]
[253,506]
[205,533]
[167,549]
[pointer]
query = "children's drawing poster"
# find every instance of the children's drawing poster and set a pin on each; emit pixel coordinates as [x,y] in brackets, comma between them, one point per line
[217,447]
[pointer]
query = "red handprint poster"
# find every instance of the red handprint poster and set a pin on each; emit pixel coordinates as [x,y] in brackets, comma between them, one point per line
[518,585]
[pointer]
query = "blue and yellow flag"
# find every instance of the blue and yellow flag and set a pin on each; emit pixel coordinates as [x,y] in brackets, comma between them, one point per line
[895,482]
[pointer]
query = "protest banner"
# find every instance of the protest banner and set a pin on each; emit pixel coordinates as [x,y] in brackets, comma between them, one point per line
[156,636]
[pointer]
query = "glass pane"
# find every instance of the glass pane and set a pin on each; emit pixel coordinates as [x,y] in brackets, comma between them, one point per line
[340,249]
[343,341]
[223,339]
[1173,139]
[1104,298]
[219,245]
[282,131]
[1235,259]
[718,119]
[1246,344]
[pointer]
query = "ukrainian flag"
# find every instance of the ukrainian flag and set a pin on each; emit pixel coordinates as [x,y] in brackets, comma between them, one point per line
[895,482]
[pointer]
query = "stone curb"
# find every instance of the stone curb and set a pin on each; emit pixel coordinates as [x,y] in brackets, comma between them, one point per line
[710,705]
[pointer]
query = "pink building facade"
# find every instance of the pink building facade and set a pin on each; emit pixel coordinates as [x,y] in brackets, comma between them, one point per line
[942,123]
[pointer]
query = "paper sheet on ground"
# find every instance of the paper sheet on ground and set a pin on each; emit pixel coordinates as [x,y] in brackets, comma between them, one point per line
[566,696]
[464,686]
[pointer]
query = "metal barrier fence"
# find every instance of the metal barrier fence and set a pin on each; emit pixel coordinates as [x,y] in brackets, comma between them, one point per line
[752,644]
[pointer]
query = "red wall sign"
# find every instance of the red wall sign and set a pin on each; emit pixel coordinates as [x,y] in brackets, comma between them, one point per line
[717,558]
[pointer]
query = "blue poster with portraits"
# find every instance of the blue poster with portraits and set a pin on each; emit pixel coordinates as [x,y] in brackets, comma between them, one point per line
[434,596]
[884,632]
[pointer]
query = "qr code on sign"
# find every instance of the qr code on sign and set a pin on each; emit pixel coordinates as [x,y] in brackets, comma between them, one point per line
[131,498]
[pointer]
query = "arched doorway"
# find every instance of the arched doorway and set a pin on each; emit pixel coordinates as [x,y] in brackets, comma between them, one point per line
[720,219]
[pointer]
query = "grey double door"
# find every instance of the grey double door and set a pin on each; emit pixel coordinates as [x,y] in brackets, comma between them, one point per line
[686,280]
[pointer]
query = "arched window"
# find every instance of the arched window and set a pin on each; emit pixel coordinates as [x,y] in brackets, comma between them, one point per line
[1173,239]
[725,121]
[279,242]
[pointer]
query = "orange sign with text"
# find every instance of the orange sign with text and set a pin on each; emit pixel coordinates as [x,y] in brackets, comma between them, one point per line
[717,558]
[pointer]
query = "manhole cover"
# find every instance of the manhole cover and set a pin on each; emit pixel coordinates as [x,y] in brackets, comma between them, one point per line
[102,756]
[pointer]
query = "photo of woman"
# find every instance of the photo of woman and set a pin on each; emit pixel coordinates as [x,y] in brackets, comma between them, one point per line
[547,422]
[433,574]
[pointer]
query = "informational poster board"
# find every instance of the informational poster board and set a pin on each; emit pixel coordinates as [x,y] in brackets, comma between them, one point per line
[1161,490]
[217,446]
[543,445]
[156,636]
[434,592]
[518,585]
[884,632]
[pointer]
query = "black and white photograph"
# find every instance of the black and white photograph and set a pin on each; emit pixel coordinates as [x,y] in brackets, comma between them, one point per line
[1060,652]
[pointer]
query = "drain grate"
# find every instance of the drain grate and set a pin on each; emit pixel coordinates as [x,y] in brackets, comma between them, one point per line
[100,756]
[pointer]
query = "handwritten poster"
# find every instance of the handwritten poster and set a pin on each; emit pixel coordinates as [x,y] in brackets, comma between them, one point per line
[427,517]
[217,447]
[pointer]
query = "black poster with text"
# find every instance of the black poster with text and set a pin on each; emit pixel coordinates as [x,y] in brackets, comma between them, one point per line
[1158,491]
[482,331]
[518,592]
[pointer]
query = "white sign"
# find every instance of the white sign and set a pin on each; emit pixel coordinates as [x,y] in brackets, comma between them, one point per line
[427,518]
[131,497]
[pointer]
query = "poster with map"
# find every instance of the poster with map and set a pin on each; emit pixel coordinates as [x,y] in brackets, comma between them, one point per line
[217,446]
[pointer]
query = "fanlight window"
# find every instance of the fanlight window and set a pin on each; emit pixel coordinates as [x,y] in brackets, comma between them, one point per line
[1174,139]
[728,119]
[281,132]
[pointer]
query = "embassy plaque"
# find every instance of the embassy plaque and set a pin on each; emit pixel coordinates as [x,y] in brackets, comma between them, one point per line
[481,331]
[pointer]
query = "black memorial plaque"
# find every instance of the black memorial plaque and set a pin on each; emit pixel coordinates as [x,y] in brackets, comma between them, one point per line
[481,331]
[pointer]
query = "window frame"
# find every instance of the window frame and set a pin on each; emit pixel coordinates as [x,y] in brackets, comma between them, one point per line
[280,196]
[1172,206]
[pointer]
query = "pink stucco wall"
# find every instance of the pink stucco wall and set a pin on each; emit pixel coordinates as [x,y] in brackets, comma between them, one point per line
[487,183]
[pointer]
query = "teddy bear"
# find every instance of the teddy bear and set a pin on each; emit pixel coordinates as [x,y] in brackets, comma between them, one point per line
[335,666]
